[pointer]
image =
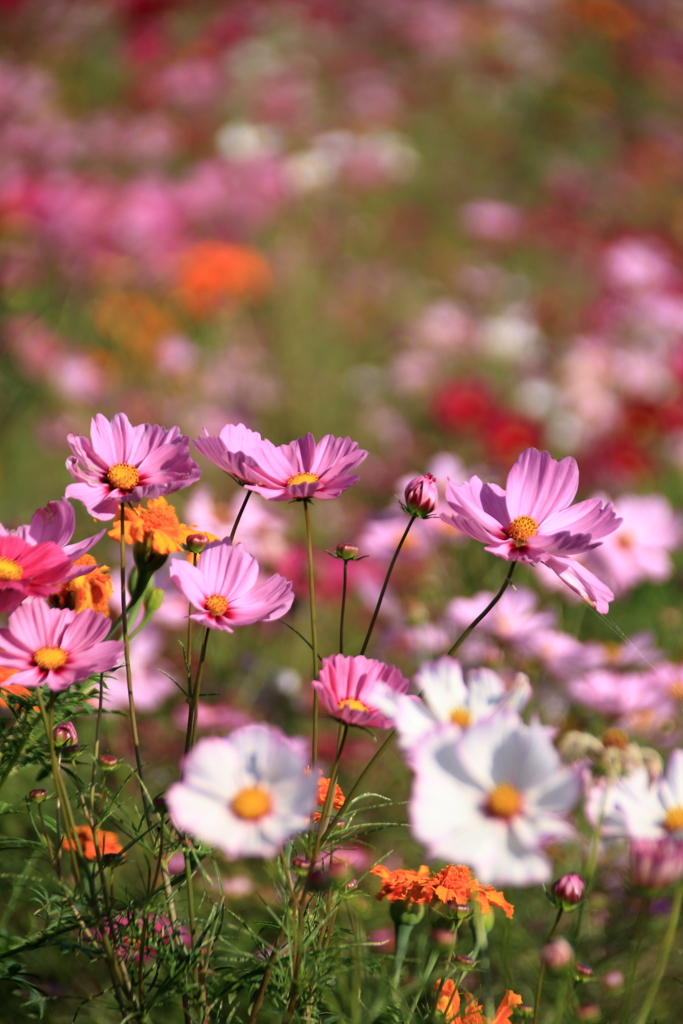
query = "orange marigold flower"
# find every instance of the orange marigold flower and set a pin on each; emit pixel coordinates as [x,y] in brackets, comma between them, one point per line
[403,884]
[108,842]
[337,802]
[456,884]
[448,1005]
[12,690]
[92,590]
[212,272]
[157,525]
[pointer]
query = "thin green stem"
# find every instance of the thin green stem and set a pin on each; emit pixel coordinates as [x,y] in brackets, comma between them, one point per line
[188,642]
[664,954]
[591,866]
[343,609]
[403,933]
[634,959]
[329,799]
[539,985]
[352,792]
[193,711]
[383,591]
[239,515]
[314,629]
[463,636]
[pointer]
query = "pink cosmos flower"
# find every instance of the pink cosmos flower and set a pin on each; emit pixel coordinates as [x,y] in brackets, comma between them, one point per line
[632,698]
[224,587]
[345,687]
[55,523]
[531,521]
[31,570]
[123,463]
[302,469]
[56,646]
[655,863]
[515,620]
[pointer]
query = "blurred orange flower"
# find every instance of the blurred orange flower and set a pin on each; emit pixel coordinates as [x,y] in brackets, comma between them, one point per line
[132,320]
[403,884]
[212,272]
[107,842]
[323,787]
[92,590]
[448,1004]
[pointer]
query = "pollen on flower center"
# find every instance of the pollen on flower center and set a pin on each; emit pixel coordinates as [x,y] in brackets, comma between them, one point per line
[251,803]
[216,605]
[10,570]
[460,716]
[521,528]
[123,476]
[50,658]
[504,801]
[303,478]
[674,819]
[353,704]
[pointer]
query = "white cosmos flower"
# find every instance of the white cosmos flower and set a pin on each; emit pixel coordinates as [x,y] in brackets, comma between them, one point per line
[447,700]
[640,808]
[493,798]
[246,793]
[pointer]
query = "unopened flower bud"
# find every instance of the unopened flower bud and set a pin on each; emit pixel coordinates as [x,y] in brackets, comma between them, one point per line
[591,1013]
[557,955]
[404,912]
[524,1011]
[196,542]
[107,762]
[466,961]
[461,910]
[443,938]
[584,971]
[301,864]
[351,884]
[154,600]
[37,796]
[159,805]
[568,891]
[613,980]
[421,496]
[65,735]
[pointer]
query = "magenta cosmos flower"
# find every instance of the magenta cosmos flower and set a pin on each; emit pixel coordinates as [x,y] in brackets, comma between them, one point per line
[122,463]
[225,589]
[56,523]
[302,469]
[31,570]
[532,521]
[345,688]
[56,646]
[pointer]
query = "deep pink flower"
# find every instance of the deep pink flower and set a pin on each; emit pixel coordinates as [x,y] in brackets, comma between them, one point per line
[56,646]
[345,687]
[302,469]
[655,863]
[123,463]
[31,570]
[421,496]
[56,523]
[224,587]
[531,521]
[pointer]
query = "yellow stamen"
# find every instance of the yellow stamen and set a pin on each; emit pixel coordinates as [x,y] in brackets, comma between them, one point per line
[521,528]
[504,801]
[123,476]
[216,605]
[251,803]
[10,570]
[615,738]
[303,478]
[50,658]
[352,704]
[461,716]
[674,819]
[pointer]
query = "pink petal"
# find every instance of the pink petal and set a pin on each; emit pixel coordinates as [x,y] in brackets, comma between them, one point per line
[537,485]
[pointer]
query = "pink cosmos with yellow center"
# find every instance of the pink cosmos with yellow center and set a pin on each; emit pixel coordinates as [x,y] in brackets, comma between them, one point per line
[345,686]
[31,570]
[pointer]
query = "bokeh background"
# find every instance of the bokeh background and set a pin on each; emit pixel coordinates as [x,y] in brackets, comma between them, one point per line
[451,230]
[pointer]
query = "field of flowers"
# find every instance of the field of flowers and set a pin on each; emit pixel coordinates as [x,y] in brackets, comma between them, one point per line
[341,465]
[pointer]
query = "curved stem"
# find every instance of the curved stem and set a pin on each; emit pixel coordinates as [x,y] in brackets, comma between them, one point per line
[239,515]
[352,792]
[539,986]
[314,630]
[664,955]
[463,636]
[383,591]
[343,609]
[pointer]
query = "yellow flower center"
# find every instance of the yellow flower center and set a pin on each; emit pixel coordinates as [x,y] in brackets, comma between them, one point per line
[10,570]
[216,605]
[504,801]
[674,819]
[303,478]
[352,704]
[251,803]
[460,716]
[123,476]
[521,528]
[50,658]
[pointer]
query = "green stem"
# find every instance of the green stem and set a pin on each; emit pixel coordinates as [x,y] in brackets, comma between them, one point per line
[314,630]
[329,799]
[539,986]
[403,932]
[193,711]
[239,516]
[343,609]
[463,636]
[352,792]
[664,954]
[383,591]
[636,946]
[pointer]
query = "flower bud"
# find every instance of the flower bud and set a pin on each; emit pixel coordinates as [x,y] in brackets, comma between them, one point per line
[557,955]
[196,542]
[584,972]
[524,1011]
[613,981]
[65,735]
[590,1013]
[301,865]
[107,762]
[36,796]
[466,961]
[421,496]
[404,912]
[568,891]
[154,600]
[347,553]
[159,805]
[443,938]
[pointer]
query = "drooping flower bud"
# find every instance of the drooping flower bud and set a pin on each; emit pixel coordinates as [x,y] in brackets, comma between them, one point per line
[196,542]
[557,955]
[421,496]
[65,735]
[37,796]
[568,891]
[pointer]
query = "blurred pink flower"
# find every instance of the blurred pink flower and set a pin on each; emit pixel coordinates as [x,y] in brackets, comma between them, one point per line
[224,586]
[515,620]
[531,520]
[121,463]
[489,220]
[262,531]
[634,264]
[629,697]
[55,646]
[151,686]
[345,686]
[655,863]
[31,570]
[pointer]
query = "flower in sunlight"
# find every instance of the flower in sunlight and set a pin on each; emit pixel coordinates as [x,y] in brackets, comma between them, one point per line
[345,686]
[31,570]
[448,1005]
[107,842]
[91,590]
[157,525]
[56,523]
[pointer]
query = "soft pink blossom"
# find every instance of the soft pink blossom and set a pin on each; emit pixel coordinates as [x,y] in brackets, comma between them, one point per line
[345,686]
[655,863]
[31,570]
[55,523]
[489,220]
[421,495]
[152,686]
[262,529]
[629,697]
[515,620]
[224,586]
[123,463]
[56,646]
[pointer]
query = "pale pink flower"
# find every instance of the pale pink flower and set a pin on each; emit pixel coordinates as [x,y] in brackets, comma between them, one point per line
[655,863]
[246,793]
[531,520]
[236,451]
[262,529]
[629,697]
[489,220]
[31,570]
[224,586]
[639,808]
[56,646]
[123,463]
[345,686]
[515,620]
[55,523]
[151,685]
